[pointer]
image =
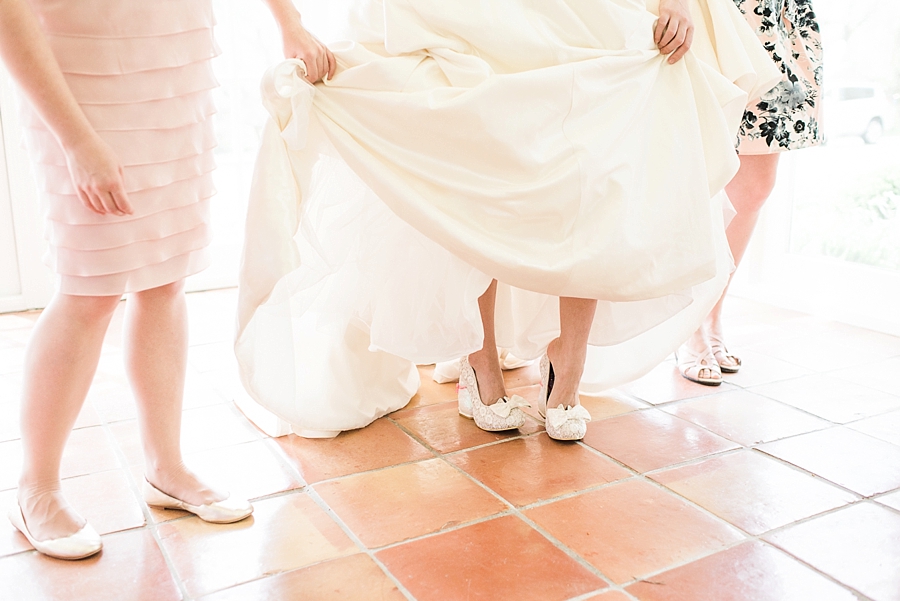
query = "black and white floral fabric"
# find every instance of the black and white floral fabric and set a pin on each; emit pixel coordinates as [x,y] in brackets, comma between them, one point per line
[787,116]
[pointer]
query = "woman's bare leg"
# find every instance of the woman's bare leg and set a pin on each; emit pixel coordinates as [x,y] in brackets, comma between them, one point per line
[156,344]
[748,192]
[568,352]
[485,362]
[60,363]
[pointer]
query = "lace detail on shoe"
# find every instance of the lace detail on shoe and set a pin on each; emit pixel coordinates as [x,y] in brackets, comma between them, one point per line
[505,414]
[567,423]
[561,423]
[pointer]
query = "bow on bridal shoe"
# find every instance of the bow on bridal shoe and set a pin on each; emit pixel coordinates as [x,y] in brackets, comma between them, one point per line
[567,422]
[505,414]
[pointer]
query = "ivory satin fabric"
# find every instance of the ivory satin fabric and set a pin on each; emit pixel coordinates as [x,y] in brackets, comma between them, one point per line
[545,143]
[141,72]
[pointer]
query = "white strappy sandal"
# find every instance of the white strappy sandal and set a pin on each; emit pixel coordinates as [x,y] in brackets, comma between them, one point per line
[699,368]
[728,363]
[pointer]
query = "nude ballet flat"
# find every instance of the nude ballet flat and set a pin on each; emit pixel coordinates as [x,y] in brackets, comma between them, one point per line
[221,512]
[505,414]
[561,422]
[84,543]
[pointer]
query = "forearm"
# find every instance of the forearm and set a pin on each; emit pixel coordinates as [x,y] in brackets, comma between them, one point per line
[286,14]
[30,61]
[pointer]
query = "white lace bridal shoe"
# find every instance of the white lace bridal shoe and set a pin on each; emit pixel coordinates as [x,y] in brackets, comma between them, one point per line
[562,422]
[221,512]
[84,543]
[505,414]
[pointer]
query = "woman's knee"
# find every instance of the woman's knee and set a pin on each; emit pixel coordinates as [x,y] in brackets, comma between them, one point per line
[89,308]
[166,294]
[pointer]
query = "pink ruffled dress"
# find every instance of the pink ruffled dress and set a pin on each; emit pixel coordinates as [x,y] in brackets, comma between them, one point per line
[141,71]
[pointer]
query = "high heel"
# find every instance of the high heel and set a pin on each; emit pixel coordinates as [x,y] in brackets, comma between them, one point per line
[728,363]
[226,511]
[692,364]
[84,543]
[563,422]
[505,414]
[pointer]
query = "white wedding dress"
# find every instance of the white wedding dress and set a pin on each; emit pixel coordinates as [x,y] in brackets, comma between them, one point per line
[545,143]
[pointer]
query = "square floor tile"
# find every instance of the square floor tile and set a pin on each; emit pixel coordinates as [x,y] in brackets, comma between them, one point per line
[523,376]
[212,355]
[891,500]
[611,596]
[885,427]
[18,321]
[213,427]
[10,464]
[380,444]
[442,428]
[111,397]
[430,392]
[11,540]
[858,546]
[106,500]
[88,450]
[402,502]
[823,351]
[210,315]
[880,375]
[752,491]
[831,398]
[759,368]
[746,418]
[632,529]
[652,439]
[856,461]
[284,533]
[250,470]
[12,360]
[498,560]
[749,572]
[665,384]
[527,470]
[353,578]
[130,568]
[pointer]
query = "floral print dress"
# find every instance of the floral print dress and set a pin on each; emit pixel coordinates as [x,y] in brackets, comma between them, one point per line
[787,116]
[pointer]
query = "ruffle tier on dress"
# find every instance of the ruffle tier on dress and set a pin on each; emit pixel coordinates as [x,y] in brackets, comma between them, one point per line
[547,145]
[142,74]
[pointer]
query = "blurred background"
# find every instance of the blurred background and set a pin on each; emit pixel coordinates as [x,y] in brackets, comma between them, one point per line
[828,243]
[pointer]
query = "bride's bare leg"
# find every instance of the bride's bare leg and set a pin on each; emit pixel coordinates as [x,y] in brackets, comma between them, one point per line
[568,352]
[156,344]
[748,192]
[485,362]
[60,362]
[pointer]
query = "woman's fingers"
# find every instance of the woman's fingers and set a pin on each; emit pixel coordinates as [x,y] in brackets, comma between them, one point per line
[660,29]
[120,198]
[88,202]
[669,36]
[332,63]
[674,43]
[683,48]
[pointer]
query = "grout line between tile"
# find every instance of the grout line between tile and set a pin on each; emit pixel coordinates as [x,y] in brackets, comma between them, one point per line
[310,491]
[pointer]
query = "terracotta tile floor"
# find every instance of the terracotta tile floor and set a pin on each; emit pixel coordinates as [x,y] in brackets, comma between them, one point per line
[782,485]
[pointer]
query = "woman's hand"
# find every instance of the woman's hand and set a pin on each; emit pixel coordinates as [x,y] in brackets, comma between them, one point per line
[674,30]
[97,176]
[299,43]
